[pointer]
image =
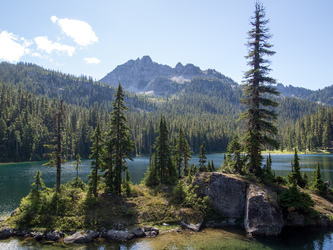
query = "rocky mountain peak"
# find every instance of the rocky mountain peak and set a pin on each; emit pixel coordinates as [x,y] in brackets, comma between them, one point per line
[144,75]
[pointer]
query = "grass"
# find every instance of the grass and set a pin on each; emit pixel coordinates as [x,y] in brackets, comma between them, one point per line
[318,151]
[74,210]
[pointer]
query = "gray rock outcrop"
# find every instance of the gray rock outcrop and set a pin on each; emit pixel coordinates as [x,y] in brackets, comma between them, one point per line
[139,232]
[53,236]
[262,214]
[6,233]
[119,235]
[81,237]
[151,232]
[228,194]
[193,227]
[38,236]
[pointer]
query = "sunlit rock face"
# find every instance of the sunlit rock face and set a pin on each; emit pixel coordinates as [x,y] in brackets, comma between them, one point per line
[237,199]
[263,216]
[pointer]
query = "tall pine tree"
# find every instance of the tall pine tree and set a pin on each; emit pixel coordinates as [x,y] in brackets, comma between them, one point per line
[119,142]
[202,158]
[182,153]
[164,168]
[259,115]
[57,148]
[96,155]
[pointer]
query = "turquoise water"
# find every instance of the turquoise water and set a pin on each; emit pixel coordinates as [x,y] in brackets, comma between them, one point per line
[16,179]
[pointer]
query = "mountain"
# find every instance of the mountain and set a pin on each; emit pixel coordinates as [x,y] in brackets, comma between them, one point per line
[82,91]
[144,75]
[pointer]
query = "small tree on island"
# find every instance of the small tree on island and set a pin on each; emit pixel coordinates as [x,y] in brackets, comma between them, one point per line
[126,183]
[234,153]
[296,175]
[318,184]
[56,154]
[96,155]
[38,181]
[77,166]
[119,145]
[182,153]
[202,158]
[259,121]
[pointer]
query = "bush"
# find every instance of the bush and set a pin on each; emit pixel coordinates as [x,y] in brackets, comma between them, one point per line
[292,197]
[178,194]
[280,180]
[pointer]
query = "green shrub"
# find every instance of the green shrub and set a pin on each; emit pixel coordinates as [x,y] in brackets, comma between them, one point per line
[292,197]
[178,194]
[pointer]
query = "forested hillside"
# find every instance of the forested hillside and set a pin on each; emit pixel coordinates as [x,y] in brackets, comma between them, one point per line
[206,108]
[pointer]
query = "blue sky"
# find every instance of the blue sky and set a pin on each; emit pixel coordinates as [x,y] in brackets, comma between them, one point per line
[93,37]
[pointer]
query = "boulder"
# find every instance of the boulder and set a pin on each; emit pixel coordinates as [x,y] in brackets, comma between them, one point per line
[81,237]
[38,236]
[139,232]
[6,233]
[151,232]
[262,214]
[226,193]
[119,235]
[193,227]
[53,236]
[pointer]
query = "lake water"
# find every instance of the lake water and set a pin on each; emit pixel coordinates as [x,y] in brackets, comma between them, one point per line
[16,180]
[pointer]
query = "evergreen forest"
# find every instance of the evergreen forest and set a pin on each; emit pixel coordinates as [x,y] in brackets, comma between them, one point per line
[206,109]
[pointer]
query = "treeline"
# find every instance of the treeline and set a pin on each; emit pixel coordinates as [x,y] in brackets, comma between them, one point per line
[25,124]
[311,132]
[206,109]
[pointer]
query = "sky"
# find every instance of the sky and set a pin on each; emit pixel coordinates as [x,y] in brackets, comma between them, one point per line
[93,37]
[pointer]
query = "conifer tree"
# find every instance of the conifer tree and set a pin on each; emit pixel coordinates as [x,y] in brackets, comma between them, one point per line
[318,184]
[182,153]
[127,183]
[202,158]
[96,155]
[327,135]
[259,116]
[193,169]
[296,175]
[38,181]
[234,153]
[225,162]
[213,167]
[77,167]
[164,167]
[56,159]
[209,167]
[119,142]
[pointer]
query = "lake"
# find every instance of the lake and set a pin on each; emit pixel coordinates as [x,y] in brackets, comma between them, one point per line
[16,180]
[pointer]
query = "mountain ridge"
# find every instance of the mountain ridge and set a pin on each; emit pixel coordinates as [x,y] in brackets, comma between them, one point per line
[149,77]
[146,76]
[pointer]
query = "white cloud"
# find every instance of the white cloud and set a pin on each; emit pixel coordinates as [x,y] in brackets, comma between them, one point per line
[54,19]
[80,31]
[92,60]
[10,49]
[43,43]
